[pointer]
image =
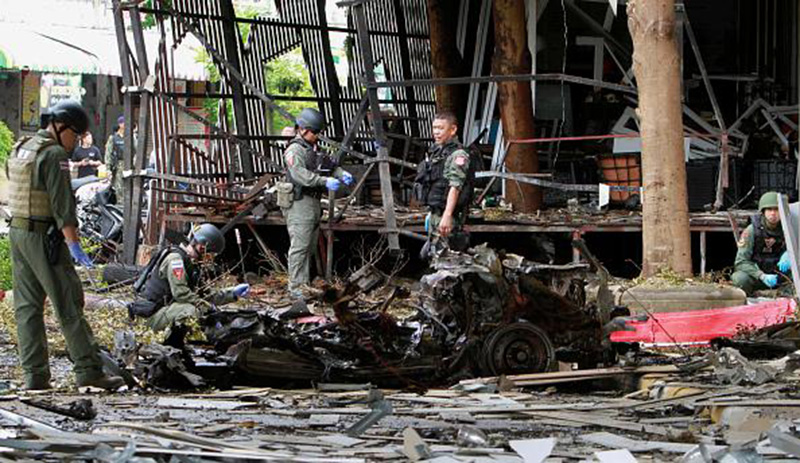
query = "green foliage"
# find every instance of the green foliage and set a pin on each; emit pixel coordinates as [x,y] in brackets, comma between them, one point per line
[6,142]
[149,20]
[288,76]
[6,279]
[244,28]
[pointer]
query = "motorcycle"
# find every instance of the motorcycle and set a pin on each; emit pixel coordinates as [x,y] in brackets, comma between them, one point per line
[99,219]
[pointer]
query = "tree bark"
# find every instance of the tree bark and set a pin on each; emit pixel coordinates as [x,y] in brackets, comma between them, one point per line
[445,57]
[516,108]
[666,237]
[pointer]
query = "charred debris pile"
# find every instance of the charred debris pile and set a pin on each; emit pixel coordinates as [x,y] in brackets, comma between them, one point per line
[479,313]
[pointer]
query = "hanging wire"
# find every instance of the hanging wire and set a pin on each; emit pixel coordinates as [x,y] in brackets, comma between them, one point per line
[563,105]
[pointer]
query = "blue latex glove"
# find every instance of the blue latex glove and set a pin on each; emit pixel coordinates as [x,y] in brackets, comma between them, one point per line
[332,184]
[427,223]
[770,279]
[785,264]
[347,178]
[78,255]
[241,290]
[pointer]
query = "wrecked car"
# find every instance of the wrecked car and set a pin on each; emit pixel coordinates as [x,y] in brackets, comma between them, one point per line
[479,313]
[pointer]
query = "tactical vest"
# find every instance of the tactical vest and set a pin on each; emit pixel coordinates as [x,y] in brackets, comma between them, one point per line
[768,245]
[117,150]
[23,199]
[156,286]
[435,187]
[315,162]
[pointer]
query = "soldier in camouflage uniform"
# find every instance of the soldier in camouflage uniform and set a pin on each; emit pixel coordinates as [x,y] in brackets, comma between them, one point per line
[762,249]
[115,150]
[43,216]
[309,177]
[167,289]
[445,182]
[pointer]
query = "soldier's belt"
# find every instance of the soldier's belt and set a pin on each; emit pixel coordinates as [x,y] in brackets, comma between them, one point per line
[38,226]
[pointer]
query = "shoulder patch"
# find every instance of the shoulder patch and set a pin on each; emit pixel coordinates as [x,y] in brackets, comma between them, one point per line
[461,160]
[743,238]
[177,269]
[64,165]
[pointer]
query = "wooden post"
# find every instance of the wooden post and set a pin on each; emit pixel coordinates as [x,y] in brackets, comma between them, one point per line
[446,61]
[516,107]
[665,213]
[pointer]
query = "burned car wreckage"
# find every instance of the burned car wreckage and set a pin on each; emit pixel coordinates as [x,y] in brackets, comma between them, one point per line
[479,313]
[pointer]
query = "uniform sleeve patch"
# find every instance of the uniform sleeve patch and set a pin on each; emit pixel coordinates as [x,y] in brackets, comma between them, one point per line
[461,160]
[743,238]
[177,269]
[290,159]
[64,165]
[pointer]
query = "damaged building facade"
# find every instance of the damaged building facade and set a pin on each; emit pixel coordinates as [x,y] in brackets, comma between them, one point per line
[738,106]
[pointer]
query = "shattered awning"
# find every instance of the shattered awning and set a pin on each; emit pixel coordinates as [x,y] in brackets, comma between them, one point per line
[75,50]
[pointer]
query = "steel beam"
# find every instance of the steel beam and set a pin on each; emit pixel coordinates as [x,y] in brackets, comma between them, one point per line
[331,78]
[232,43]
[405,60]
[377,125]
[501,78]
[133,160]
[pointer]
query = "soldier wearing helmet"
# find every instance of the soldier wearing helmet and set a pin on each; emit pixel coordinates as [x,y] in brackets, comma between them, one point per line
[309,174]
[762,252]
[168,288]
[44,241]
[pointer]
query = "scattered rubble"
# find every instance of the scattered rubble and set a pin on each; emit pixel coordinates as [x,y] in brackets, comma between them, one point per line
[505,333]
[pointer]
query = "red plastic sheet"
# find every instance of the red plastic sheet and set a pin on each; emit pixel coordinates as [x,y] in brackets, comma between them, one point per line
[701,326]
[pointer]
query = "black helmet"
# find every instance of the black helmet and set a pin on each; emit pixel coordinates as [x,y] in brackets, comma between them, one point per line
[68,112]
[210,236]
[310,119]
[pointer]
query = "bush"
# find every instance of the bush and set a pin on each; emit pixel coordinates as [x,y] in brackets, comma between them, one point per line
[6,142]
[5,264]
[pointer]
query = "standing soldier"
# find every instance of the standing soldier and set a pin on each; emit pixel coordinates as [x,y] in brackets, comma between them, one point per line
[762,249]
[43,215]
[309,173]
[445,182]
[115,150]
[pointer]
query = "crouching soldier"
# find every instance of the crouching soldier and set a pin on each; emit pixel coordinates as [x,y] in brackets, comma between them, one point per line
[762,249]
[168,288]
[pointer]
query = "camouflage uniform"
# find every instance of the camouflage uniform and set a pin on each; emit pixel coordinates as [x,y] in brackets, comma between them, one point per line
[42,203]
[758,254]
[456,170]
[302,218]
[186,303]
[173,290]
[448,166]
[115,149]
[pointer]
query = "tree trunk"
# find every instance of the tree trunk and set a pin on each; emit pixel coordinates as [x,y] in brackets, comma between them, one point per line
[516,108]
[445,57]
[666,237]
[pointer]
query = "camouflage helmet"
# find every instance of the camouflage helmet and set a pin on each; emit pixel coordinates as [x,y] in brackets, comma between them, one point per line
[310,119]
[208,235]
[768,200]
